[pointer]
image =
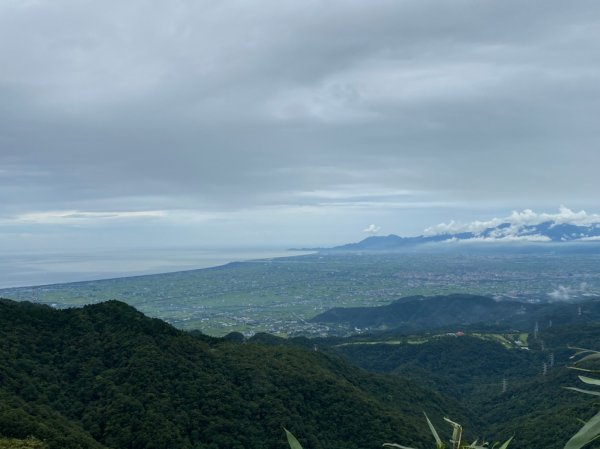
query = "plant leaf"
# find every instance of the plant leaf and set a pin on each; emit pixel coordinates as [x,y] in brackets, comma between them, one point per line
[292,441]
[580,390]
[438,441]
[587,358]
[456,433]
[588,433]
[589,380]
[474,445]
[580,351]
[506,443]
[397,445]
[596,371]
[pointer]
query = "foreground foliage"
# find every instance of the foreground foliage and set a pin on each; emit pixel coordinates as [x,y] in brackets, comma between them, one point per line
[456,440]
[591,429]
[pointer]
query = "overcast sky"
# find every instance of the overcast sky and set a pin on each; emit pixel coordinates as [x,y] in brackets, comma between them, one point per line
[208,123]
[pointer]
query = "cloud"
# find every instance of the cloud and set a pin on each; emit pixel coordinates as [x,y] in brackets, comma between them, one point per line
[219,108]
[568,293]
[562,293]
[516,220]
[361,192]
[372,229]
[501,239]
[75,216]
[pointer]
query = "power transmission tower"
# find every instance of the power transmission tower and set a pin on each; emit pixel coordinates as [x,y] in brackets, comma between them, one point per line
[551,360]
[545,369]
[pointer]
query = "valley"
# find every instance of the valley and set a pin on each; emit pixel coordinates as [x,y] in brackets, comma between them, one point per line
[282,295]
[341,349]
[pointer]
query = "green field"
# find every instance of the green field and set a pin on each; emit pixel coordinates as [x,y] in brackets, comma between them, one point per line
[279,295]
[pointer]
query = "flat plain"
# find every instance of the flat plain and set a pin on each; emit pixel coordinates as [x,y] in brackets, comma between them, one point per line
[279,295]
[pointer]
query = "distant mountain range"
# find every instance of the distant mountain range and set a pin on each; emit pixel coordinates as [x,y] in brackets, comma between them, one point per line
[506,232]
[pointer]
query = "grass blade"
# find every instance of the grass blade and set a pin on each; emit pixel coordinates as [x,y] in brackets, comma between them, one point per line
[588,433]
[589,380]
[438,441]
[580,390]
[292,441]
[587,358]
[576,368]
[456,433]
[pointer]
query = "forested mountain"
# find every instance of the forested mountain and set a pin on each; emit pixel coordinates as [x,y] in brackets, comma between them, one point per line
[106,376]
[512,391]
[511,382]
[421,313]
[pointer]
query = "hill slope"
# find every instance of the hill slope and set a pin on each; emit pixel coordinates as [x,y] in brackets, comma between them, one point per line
[421,313]
[107,376]
[534,407]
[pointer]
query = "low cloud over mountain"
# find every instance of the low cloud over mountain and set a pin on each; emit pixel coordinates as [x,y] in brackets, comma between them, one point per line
[525,226]
[516,221]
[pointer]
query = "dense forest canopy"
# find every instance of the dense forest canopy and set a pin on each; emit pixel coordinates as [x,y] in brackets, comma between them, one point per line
[106,376]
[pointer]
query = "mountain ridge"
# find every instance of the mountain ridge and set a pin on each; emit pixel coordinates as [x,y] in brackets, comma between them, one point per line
[546,232]
[424,313]
[106,376]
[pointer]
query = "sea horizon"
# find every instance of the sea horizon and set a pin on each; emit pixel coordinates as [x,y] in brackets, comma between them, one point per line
[29,269]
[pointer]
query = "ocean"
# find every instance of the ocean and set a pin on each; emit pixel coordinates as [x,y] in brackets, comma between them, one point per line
[32,269]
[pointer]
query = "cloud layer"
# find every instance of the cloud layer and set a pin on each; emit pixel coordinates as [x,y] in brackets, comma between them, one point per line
[296,118]
[516,221]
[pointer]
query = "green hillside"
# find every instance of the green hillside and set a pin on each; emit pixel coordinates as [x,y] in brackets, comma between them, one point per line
[106,376]
[426,313]
[472,369]
[18,443]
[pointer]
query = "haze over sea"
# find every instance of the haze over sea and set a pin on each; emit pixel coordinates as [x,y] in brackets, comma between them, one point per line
[30,269]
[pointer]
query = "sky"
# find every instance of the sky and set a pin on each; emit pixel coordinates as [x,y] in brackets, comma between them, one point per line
[138,124]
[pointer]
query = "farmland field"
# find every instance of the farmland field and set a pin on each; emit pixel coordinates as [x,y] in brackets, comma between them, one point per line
[279,295]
